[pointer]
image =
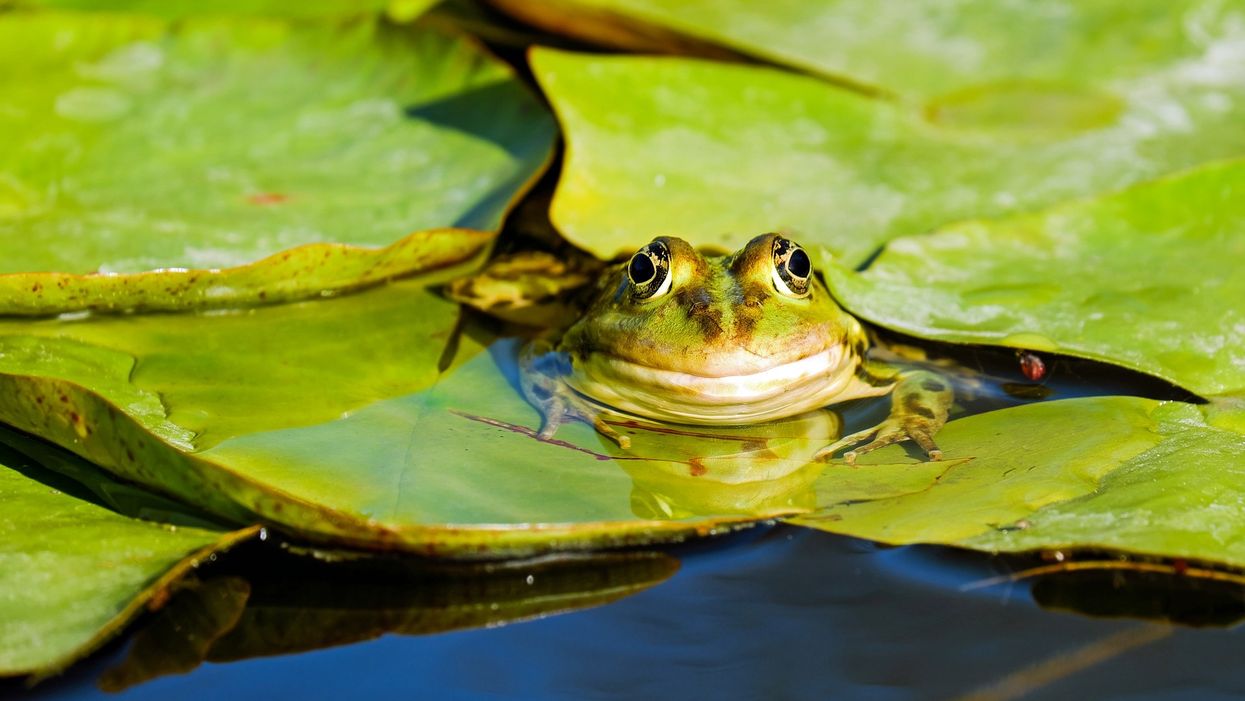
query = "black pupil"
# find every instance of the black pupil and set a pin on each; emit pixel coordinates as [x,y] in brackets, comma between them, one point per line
[798,264]
[641,269]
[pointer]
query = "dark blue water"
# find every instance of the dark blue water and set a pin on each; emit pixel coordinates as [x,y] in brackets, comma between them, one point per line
[774,613]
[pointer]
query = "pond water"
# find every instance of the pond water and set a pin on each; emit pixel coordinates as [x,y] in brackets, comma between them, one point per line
[773,613]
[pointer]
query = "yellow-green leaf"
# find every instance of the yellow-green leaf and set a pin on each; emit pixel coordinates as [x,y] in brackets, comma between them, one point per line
[717,153]
[1116,473]
[1149,278]
[925,49]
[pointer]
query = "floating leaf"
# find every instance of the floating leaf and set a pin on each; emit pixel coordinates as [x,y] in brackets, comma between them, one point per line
[189,8]
[135,144]
[716,153]
[928,48]
[1117,473]
[323,418]
[1146,278]
[72,573]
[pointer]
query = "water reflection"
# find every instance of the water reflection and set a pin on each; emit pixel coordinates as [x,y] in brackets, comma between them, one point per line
[266,602]
[781,612]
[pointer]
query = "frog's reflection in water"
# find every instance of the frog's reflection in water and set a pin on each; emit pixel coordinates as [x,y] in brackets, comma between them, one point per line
[762,470]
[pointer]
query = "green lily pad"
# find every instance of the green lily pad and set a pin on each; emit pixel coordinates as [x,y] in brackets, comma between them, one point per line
[1118,473]
[184,8]
[137,144]
[1148,278]
[73,573]
[716,153]
[924,48]
[332,420]
[396,10]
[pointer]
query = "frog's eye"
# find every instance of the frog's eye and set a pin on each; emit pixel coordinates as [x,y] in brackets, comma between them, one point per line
[792,268]
[649,271]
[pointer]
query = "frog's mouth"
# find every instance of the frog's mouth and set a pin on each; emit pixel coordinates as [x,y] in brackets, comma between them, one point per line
[774,392]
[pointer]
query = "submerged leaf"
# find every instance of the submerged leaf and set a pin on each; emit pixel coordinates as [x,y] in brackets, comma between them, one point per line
[717,153]
[1149,278]
[135,144]
[1116,473]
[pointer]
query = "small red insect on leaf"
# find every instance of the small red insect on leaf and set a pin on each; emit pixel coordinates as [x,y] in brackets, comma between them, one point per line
[1031,365]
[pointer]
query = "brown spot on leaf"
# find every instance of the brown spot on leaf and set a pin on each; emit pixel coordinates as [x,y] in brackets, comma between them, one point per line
[264,199]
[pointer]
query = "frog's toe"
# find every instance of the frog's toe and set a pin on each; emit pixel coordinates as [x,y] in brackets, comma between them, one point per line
[844,442]
[608,431]
[554,415]
[884,434]
[922,437]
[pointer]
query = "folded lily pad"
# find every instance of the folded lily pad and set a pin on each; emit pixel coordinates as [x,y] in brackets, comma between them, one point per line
[716,153]
[1117,473]
[1149,278]
[73,573]
[136,144]
[923,48]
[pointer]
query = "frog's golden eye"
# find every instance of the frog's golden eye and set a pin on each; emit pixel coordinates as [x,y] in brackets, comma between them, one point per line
[649,271]
[792,268]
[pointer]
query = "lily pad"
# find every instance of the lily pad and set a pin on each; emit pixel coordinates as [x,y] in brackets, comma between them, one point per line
[316,268]
[137,144]
[1148,278]
[73,573]
[716,153]
[331,420]
[184,8]
[925,48]
[1117,473]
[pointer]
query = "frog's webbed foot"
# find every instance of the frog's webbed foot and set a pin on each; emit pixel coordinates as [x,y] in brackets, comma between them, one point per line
[540,375]
[919,407]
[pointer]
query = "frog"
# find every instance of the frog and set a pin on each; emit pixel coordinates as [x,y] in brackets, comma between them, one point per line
[677,335]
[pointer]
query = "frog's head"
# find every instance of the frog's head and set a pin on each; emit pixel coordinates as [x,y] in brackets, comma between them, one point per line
[679,335]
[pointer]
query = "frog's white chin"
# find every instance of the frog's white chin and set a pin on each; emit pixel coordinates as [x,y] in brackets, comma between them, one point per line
[814,381]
